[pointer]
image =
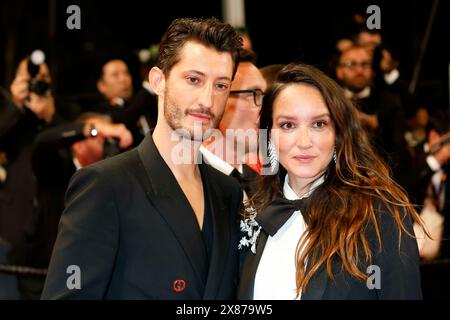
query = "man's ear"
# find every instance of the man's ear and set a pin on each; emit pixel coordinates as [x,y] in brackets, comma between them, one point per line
[157,80]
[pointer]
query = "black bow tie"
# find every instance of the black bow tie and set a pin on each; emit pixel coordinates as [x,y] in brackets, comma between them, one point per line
[275,215]
[243,178]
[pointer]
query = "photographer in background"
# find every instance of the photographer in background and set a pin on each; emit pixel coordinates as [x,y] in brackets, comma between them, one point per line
[28,110]
[432,161]
[57,153]
[115,86]
[31,87]
[138,112]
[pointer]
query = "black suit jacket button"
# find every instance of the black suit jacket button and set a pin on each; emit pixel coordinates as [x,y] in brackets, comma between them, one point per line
[179,285]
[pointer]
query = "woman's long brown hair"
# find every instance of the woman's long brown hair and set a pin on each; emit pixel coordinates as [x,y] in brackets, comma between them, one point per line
[340,210]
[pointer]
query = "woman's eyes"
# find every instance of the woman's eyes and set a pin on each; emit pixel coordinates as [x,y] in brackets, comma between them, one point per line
[316,124]
[320,124]
[287,125]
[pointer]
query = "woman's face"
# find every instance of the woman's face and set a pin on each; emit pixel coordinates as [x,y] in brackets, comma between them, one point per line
[303,132]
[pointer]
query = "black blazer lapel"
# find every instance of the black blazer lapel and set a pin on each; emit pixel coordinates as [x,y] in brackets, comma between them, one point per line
[220,207]
[250,265]
[165,194]
[250,180]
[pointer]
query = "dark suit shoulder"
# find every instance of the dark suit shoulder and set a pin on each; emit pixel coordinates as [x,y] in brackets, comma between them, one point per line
[398,258]
[389,229]
[228,184]
[386,220]
[88,234]
[116,162]
[106,179]
[113,168]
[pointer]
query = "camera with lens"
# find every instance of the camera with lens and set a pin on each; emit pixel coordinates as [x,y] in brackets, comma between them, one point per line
[111,147]
[37,86]
[445,140]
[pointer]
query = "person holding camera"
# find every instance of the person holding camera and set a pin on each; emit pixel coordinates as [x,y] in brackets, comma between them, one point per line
[28,110]
[58,153]
[429,186]
[33,92]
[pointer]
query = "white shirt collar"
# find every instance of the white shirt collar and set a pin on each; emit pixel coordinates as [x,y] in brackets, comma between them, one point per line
[77,163]
[217,162]
[392,76]
[360,95]
[291,195]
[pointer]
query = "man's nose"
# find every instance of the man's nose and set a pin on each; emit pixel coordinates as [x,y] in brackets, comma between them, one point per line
[206,96]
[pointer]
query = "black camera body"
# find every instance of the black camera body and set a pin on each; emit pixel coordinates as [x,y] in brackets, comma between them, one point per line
[445,140]
[34,64]
[111,148]
[38,86]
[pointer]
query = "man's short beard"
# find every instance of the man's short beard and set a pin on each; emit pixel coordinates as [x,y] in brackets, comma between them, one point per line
[357,89]
[174,115]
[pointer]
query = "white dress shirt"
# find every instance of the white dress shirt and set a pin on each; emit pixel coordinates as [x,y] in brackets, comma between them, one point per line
[392,76]
[77,163]
[276,275]
[365,93]
[219,164]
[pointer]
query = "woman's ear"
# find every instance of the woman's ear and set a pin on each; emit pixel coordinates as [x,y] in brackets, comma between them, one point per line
[157,80]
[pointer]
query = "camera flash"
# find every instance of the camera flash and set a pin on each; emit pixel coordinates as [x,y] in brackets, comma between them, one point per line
[37,57]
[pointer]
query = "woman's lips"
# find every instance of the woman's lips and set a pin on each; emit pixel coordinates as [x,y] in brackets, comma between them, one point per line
[304,158]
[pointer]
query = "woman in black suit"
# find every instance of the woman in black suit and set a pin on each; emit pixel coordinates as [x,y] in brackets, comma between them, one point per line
[330,223]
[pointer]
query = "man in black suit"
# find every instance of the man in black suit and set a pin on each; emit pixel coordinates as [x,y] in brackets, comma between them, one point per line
[380,111]
[57,153]
[385,64]
[429,181]
[137,112]
[140,114]
[27,113]
[147,224]
[234,149]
